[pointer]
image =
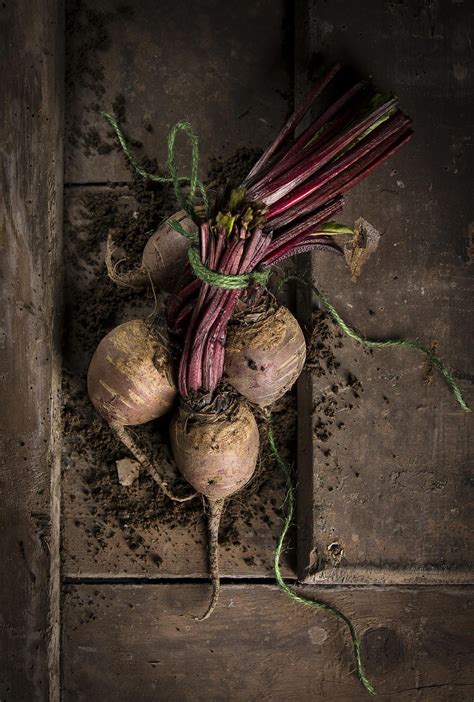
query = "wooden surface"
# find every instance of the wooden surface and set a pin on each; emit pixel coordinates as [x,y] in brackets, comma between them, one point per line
[30,227]
[139,643]
[240,99]
[130,637]
[218,65]
[389,498]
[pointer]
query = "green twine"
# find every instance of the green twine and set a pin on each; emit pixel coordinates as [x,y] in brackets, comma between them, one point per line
[214,278]
[403,343]
[220,280]
[178,227]
[187,203]
[315,604]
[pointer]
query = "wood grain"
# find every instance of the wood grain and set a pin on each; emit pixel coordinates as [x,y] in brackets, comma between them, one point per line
[139,642]
[31,56]
[392,451]
[219,66]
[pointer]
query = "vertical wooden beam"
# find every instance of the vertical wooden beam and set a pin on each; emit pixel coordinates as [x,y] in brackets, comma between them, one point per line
[305,445]
[387,502]
[31,56]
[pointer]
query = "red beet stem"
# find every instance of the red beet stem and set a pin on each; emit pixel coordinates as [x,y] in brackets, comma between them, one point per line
[295,118]
[281,186]
[324,118]
[183,366]
[304,224]
[376,160]
[394,125]
[296,234]
[299,149]
[211,313]
[309,245]
[214,364]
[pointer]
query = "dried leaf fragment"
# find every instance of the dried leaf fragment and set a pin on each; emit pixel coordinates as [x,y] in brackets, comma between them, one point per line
[361,246]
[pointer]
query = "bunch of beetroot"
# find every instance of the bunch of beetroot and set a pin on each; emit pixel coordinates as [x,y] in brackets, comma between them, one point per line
[239,347]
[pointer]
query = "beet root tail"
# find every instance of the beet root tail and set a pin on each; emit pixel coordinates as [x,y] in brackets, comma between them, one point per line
[216,507]
[136,278]
[127,440]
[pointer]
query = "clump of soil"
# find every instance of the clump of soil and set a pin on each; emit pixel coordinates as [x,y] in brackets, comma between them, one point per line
[230,172]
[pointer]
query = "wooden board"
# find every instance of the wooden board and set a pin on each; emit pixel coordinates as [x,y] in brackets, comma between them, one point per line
[31,55]
[140,643]
[241,99]
[112,530]
[219,66]
[388,500]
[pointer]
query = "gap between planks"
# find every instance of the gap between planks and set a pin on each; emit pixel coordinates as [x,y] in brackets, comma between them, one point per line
[257,580]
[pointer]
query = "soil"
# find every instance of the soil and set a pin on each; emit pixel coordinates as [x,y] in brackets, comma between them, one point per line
[325,339]
[87,37]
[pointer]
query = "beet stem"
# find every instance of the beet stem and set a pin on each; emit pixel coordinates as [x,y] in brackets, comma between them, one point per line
[125,436]
[310,140]
[216,507]
[295,118]
[288,238]
[396,125]
[277,189]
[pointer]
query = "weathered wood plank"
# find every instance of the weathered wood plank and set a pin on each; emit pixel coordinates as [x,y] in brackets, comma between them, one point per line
[217,65]
[139,643]
[391,451]
[109,529]
[31,54]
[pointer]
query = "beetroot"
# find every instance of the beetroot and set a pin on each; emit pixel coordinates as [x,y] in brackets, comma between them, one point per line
[130,378]
[216,451]
[130,381]
[263,359]
[164,257]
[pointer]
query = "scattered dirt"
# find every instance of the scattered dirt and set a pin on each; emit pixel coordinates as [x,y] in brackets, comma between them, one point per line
[93,306]
[470,243]
[230,172]
[86,39]
[339,389]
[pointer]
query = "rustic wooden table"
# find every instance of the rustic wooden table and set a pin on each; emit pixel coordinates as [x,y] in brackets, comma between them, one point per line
[99,580]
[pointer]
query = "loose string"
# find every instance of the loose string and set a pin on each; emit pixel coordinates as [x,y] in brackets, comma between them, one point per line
[289,507]
[186,202]
[370,343]
[214,278]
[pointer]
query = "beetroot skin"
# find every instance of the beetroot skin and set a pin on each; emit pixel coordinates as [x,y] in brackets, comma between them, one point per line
[264,359]
[130,378]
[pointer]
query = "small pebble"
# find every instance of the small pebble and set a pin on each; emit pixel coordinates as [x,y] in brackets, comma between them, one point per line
[127,471]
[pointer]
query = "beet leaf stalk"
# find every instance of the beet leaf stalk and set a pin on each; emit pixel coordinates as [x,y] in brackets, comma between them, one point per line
[279,211]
